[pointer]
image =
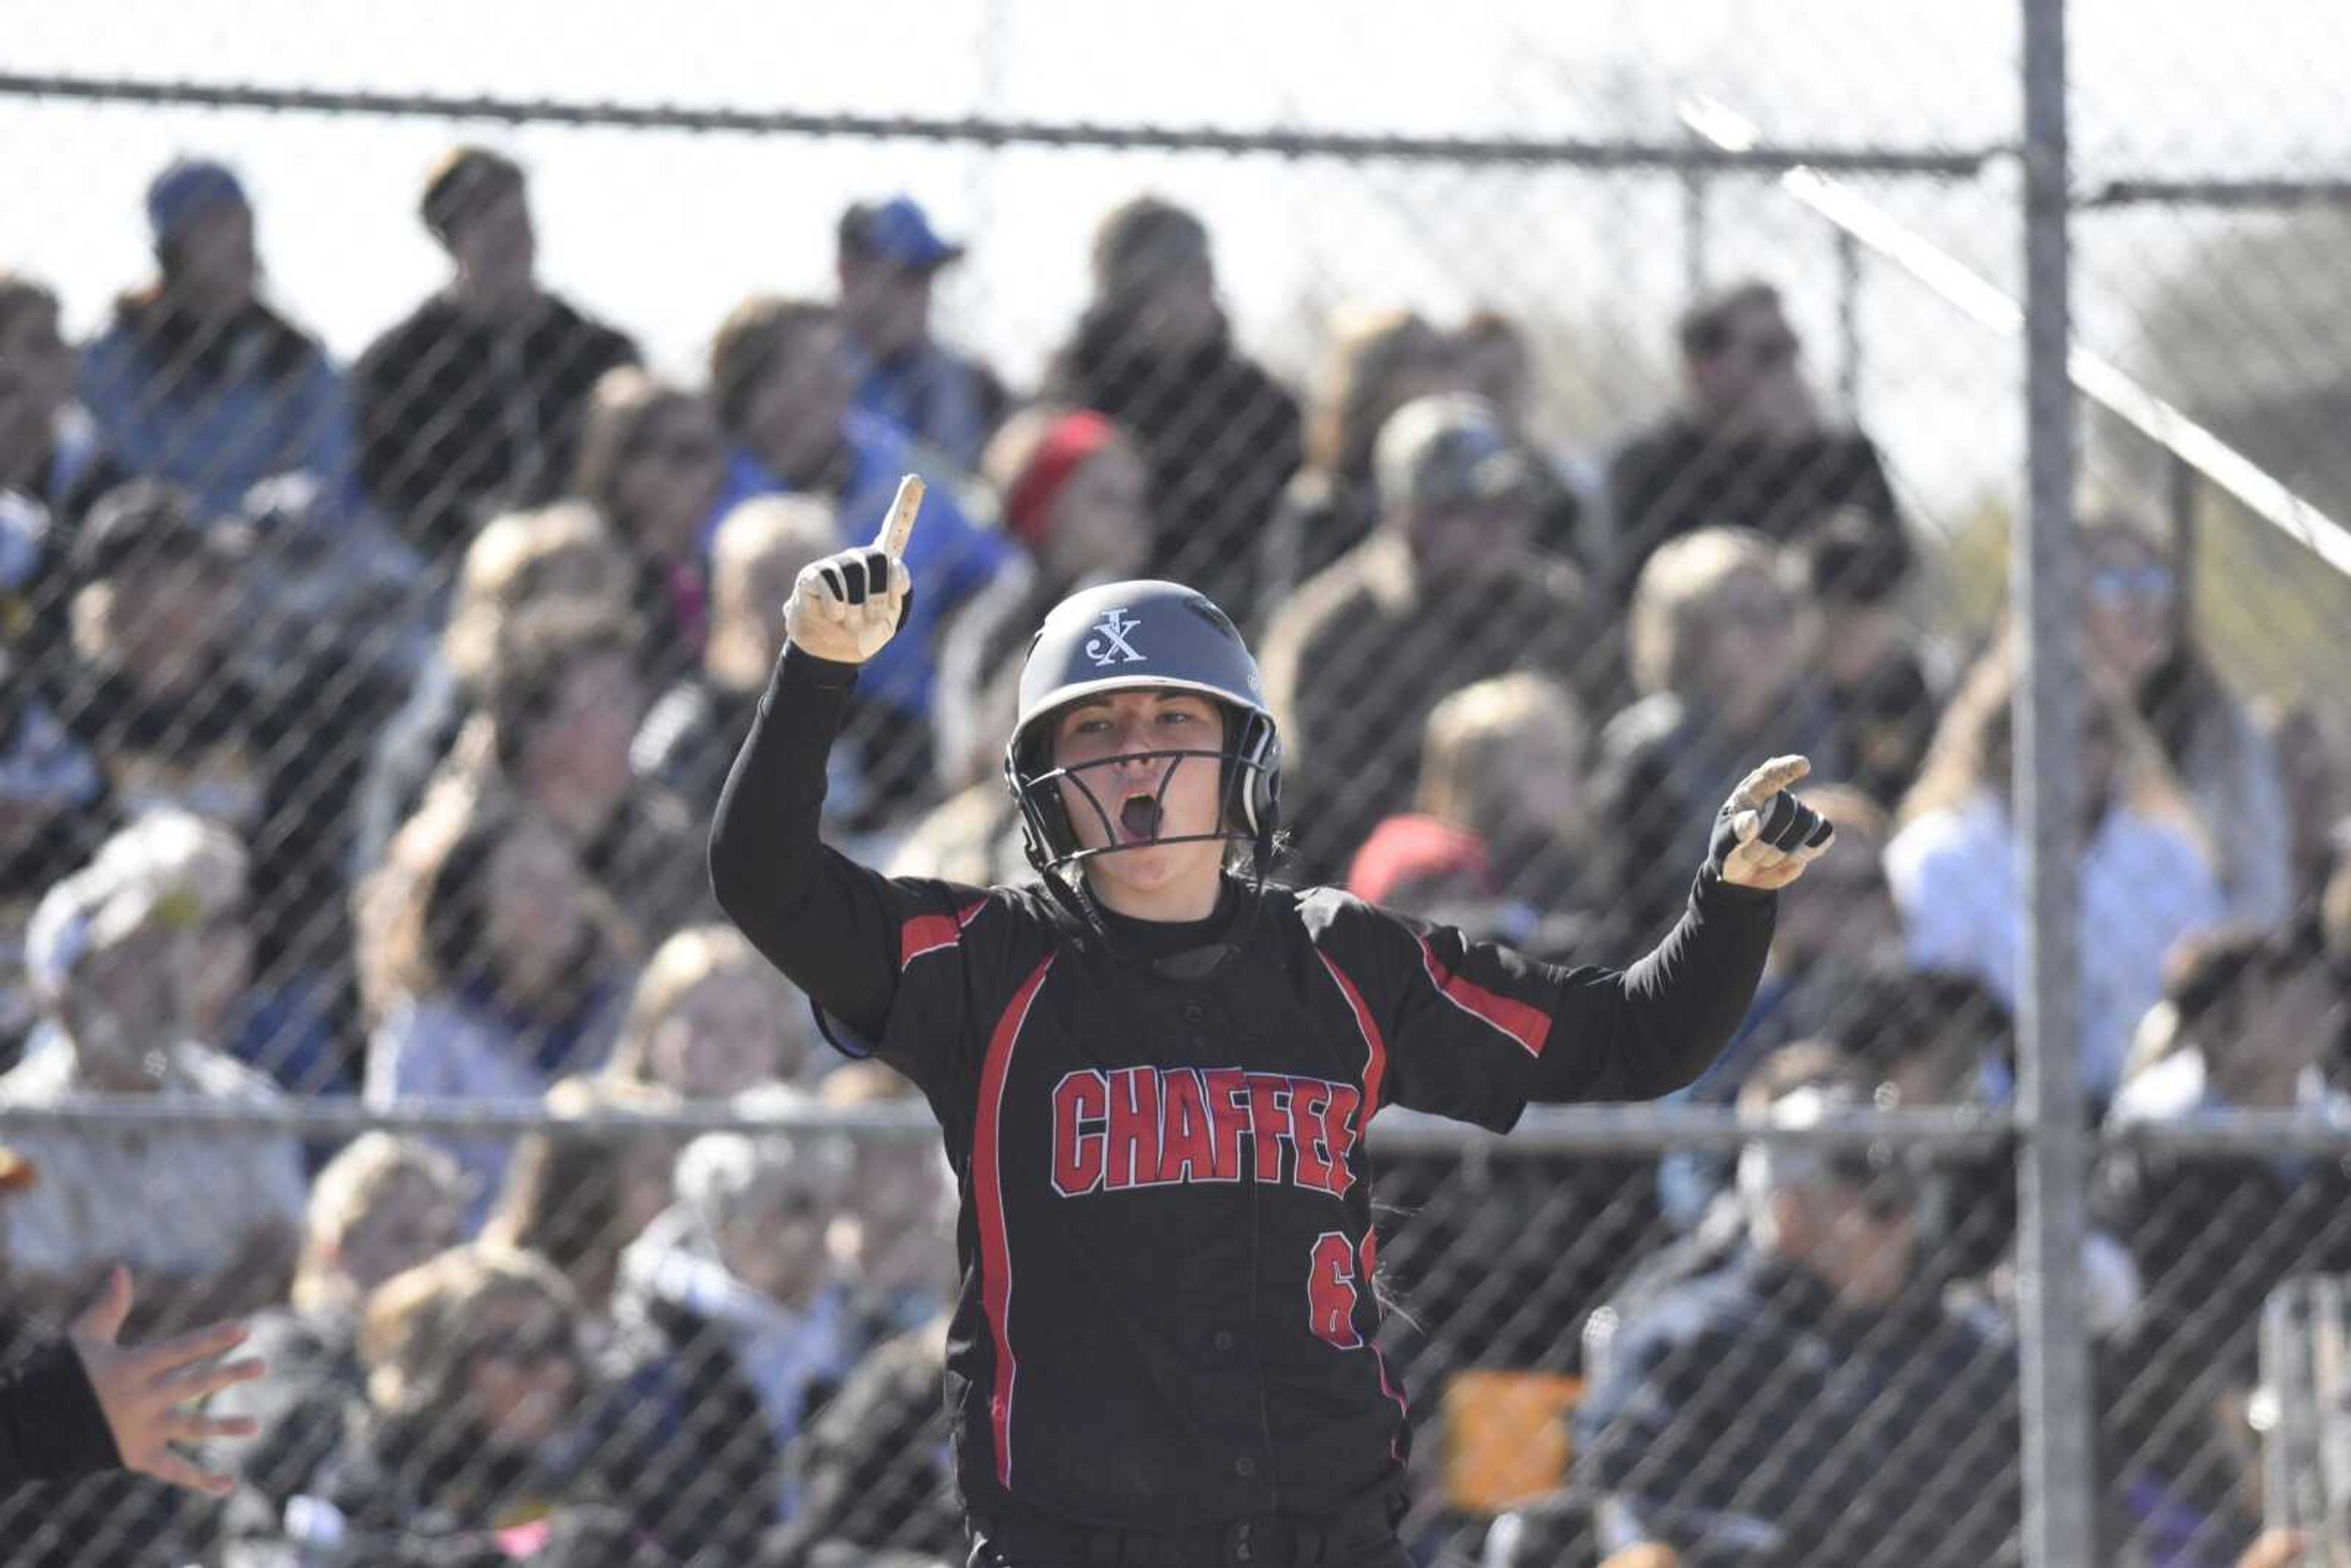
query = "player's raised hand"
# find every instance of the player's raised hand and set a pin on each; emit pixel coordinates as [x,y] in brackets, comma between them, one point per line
[847,606]
[1765,837]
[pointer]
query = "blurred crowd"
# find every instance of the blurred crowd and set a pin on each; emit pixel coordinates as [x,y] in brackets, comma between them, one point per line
[362,726]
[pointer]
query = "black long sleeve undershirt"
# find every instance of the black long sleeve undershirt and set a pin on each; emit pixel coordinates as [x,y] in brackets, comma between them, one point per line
[820,916]
[1661,1022]
[816,913]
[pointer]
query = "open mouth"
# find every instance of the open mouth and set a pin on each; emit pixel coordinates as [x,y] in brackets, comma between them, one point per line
[1138,817]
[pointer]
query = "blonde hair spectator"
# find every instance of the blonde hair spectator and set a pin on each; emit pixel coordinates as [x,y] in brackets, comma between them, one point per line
[370,1177]
[1471,732]
[1676,590]
[417,1329]
[576,1198]
[1375,359]
[756,556]
[561,552]
[710,1018]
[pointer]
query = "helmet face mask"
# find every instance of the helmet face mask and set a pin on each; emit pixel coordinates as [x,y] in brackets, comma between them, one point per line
[1248,767]
[1131,637]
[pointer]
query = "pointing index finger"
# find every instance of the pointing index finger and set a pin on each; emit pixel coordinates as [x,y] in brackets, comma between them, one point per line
[898,526]
[1768,780]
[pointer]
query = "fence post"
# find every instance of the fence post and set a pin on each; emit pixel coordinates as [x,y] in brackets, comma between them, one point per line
[2059,1475]
[1848,324]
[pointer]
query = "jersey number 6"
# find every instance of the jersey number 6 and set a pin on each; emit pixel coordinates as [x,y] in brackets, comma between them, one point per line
[1331,1291]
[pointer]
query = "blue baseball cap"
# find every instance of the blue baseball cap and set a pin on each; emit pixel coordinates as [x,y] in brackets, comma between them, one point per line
[188,189]
[896,231]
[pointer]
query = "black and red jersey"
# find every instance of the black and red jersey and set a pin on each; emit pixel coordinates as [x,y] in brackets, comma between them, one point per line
[1167,1314]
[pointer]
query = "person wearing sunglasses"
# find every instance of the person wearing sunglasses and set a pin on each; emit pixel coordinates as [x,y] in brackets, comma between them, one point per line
[1748,446]
[1813,1398]
[2141,642]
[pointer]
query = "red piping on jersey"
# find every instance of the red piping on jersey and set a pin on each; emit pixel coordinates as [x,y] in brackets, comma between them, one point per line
[929,933]
[1530,1025]
[988,1186]
[1375,1061]
[1370,1256]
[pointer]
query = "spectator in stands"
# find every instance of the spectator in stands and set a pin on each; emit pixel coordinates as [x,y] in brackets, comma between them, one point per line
[54,805]
[283,1025]
[1153,351]
[556,554]
[471,405]
[651,460]
[1814,1400]
[1447,591]
[489,963]
[780,372]
[710,1020]
[2146,882]
[887,257]
[895,1241]
[150,692]
[212,1231]
[56,800]
[2243,1024]
[872,1470]
[2139,640]
[1930,1038]
[731,1286]
[197,380]
[1492,358]
[341,586]
[1748,448]
[1077,495]
[559,706]
[1881,705]
[2314,768]
[1915,1037]
[55,809]
[690,736]
[52,468]
[1375,361]
[474,1376]
[1716,649]
[2180,1462]
[1499,841]
[1505,759]
[381,1206]
[579,1199]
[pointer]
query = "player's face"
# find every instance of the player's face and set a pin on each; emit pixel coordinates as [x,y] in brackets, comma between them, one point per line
[1117,749]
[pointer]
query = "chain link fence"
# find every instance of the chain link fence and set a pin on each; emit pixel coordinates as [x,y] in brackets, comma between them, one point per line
[403,462]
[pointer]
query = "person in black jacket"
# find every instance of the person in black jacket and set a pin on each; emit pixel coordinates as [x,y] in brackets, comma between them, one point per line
[471,404]
[1155,352]
[1813,1400]
[86,1402]
[1748,449]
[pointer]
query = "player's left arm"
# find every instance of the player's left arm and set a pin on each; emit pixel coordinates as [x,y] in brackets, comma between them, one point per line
[1481,1030]
[1651,1029]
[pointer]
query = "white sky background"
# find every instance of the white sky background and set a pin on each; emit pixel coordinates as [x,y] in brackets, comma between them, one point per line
[662,233]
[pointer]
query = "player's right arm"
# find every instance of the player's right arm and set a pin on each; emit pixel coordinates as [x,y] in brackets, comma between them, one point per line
[832,925]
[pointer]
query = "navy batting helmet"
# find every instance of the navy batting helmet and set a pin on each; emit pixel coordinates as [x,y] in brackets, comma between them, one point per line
[1133,636]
